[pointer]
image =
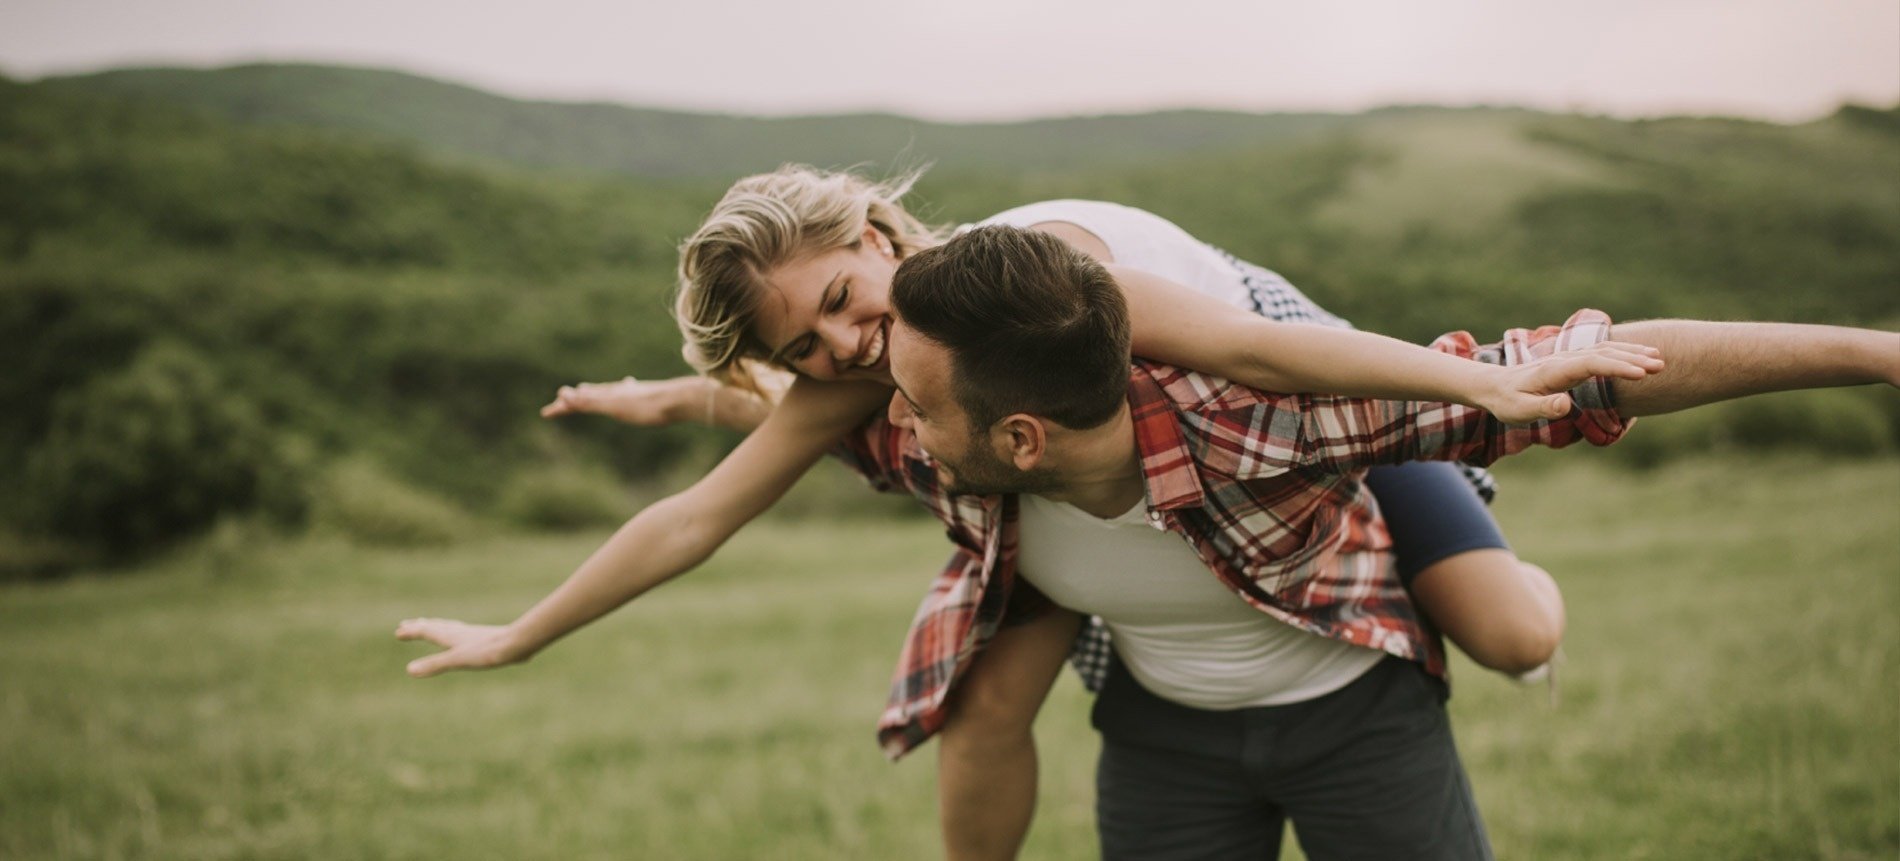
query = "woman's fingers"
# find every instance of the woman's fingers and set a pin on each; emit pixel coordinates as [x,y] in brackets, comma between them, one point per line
[1574,368]
[1542,385]
[411,629]
[563,403]
[435,664]
[584,398]
[1609,365]
[1644,350]
[626,399]
[465,646]
[1641,359]
[446,633]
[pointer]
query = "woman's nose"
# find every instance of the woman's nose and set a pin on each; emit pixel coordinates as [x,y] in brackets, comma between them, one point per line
[841,340]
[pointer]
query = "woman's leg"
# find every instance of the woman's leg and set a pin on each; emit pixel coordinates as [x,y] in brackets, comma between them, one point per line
[1507,614]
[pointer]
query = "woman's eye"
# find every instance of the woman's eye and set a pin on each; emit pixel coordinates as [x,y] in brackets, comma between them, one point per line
[838,304]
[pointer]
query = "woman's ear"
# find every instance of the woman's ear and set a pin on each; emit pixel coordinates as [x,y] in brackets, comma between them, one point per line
[876,239]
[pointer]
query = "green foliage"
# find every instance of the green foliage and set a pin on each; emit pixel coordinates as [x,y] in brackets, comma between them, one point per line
[563,497]
[1825,421]
[28,556]
[363,502]
[136,458]
[1852,423]
[358,296]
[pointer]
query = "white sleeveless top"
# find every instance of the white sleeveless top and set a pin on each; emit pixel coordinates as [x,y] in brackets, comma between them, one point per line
[1179,630]
[1146,241]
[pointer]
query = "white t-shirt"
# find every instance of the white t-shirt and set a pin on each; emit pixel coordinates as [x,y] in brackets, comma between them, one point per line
[1177,627]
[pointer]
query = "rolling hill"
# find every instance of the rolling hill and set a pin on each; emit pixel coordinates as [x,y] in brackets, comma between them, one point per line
[607,138]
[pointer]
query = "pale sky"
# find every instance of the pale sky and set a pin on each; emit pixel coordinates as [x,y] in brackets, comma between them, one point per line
[1008,59]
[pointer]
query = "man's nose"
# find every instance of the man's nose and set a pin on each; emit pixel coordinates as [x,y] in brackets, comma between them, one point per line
[899,411]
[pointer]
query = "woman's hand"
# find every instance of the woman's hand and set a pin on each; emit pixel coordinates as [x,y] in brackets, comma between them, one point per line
[1538,390]
[647,403]
[465,646]
[657,403]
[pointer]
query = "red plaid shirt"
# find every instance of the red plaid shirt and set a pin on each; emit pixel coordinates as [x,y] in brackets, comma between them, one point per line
[1266,489]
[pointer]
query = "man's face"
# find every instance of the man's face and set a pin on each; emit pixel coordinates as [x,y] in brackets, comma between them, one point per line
[968,460]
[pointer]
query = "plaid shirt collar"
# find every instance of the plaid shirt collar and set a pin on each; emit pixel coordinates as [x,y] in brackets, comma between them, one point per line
[1167,463]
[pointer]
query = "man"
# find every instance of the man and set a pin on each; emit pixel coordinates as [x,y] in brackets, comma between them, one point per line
[1296,681]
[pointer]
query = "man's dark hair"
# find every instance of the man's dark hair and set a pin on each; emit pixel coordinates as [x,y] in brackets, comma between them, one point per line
[1032,325]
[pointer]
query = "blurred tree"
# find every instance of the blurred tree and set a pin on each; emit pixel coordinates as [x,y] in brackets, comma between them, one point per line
[139,457]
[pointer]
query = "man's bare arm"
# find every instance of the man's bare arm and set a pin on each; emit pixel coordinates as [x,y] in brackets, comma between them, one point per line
[1711,362]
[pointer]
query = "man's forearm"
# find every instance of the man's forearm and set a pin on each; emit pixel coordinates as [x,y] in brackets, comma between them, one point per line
[986,794]
[1711,362]
[986,762]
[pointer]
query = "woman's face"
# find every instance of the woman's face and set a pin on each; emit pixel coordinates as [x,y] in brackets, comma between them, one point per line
[828,315]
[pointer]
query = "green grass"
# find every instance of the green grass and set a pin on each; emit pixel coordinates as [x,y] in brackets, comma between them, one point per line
[1729,694]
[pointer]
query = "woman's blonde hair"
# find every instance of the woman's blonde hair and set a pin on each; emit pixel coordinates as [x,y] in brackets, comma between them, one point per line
[763,222]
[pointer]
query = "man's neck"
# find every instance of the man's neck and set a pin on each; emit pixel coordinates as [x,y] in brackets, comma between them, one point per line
[1099,468]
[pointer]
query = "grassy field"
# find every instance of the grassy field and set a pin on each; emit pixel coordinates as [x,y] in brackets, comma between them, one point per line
[1730,694]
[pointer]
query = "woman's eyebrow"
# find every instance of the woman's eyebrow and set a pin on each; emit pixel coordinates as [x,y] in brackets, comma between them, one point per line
[824,296]
[824,300]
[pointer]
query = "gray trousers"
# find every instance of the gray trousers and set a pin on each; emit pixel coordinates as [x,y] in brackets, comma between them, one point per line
[1366,772]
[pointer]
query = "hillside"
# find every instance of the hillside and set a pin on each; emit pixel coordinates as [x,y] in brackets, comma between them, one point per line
[607,138]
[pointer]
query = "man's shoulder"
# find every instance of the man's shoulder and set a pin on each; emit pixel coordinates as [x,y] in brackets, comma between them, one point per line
[1194,391]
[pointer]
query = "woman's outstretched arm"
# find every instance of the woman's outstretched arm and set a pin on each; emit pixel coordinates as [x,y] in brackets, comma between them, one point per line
[1181,327]
[668,538]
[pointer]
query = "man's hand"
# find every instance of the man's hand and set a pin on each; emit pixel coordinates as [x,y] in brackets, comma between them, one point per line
[465,646]
[1538,390]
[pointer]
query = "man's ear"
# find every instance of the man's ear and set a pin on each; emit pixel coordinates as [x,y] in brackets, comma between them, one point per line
[1021,439]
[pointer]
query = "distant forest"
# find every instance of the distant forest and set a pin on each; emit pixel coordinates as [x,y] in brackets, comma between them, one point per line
[274,292]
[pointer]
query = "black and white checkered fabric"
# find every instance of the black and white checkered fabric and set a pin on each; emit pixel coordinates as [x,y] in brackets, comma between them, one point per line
[1275,298]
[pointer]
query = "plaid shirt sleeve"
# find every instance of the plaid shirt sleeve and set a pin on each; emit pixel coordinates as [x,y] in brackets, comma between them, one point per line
[875,451]
[1252,434]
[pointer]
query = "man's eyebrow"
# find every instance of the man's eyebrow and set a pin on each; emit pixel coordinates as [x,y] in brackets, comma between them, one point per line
[824,300]
[907,398]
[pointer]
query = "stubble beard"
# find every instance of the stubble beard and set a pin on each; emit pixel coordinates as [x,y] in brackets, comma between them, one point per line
[978,473]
